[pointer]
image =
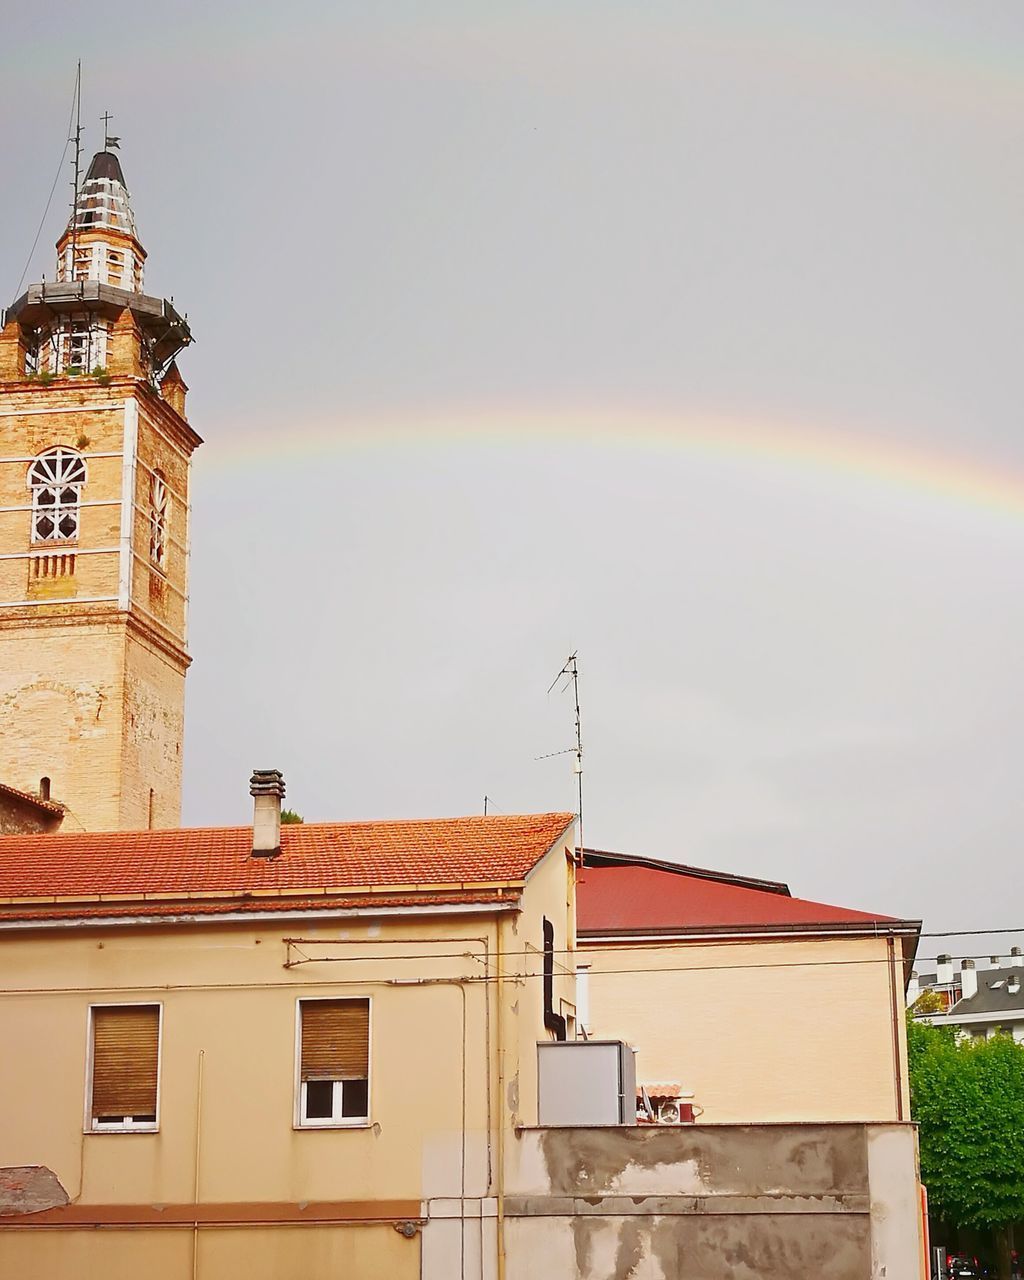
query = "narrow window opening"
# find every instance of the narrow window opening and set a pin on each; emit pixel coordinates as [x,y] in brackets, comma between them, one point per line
[158,518]
[44,788]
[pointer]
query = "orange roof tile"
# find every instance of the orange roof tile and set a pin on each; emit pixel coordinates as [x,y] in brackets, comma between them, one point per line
[316,858]
[26,797]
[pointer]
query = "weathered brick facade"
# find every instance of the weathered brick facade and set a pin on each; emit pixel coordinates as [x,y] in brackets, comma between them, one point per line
[93,626]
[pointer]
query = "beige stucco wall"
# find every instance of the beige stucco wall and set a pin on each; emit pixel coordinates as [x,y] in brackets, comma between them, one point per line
[250,1253]
[761,1030]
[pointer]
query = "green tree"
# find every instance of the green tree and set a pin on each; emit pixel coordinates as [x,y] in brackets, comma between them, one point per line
[967,1097]
[929,1002]
[289,816]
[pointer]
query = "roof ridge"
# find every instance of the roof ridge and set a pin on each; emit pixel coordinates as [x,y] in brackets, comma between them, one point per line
[290,828]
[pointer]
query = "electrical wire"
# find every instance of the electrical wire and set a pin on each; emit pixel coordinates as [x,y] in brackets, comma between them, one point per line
[49,198]
[468,979]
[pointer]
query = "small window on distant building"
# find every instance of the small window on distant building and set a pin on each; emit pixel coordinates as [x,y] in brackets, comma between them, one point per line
[334,1062]
[124,1065]
[56,478]
[158,518]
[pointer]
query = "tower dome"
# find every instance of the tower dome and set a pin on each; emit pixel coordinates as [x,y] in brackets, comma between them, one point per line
[100,241]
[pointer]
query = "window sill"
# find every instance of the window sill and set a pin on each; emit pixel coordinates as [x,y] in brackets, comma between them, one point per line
[122,1128]
[305,1126]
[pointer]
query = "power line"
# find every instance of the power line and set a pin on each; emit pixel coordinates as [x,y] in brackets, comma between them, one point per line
[60,167]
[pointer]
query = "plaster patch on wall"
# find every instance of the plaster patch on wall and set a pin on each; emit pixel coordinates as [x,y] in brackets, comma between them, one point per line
[29,1188]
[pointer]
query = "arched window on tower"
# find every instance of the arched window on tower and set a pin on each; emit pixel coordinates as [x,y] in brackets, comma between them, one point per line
[158,518]
[56,478]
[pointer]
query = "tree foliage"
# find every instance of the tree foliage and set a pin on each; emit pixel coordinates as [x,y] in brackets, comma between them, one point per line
[967,1096]
[290,816]
[929,1002]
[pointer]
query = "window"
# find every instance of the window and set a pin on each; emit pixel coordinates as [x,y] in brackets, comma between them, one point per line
[56,478]
[158,518]
[334,1062]
[124,1059]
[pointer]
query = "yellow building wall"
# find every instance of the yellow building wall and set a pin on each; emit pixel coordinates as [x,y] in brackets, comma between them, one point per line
[368,1252]
[227,996]
[550,891]
[783,1030]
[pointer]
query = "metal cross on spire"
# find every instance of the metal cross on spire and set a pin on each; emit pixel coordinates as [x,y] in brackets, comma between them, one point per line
[108,139]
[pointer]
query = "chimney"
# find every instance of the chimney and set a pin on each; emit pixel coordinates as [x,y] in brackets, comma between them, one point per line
[913,988]
[1016,959]
[266,786]
[1013,986]
[968,979]
[944,965]
[995,962]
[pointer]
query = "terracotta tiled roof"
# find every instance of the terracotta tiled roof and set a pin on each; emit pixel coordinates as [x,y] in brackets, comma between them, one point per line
[634,898]
[37,802]
[316,858]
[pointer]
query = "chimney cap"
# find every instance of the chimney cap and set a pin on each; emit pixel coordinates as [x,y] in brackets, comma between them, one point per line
[966,964]
[944,959]
[1015,951]
[266,782]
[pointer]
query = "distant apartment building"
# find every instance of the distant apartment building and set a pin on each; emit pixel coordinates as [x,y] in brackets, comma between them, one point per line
[979,1002]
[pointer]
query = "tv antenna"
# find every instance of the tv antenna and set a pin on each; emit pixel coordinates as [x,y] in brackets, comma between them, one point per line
[571,671]
[76,138]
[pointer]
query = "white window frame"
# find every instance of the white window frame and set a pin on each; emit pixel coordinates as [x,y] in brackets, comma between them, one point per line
[159,519]
[65,458]
[337,1120]
[127,1124]
[583,997]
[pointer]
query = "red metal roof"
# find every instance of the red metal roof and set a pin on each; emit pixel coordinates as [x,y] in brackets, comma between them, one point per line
[633,898]
[315,857]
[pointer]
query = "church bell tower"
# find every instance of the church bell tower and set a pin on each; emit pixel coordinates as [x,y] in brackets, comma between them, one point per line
[95,454]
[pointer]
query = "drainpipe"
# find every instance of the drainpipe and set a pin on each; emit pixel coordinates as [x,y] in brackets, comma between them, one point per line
[895,1011]
[500,1219]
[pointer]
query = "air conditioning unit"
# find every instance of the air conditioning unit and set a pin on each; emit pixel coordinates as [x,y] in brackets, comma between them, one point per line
[675,1111]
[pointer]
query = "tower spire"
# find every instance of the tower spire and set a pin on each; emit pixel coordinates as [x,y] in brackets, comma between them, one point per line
[101,241]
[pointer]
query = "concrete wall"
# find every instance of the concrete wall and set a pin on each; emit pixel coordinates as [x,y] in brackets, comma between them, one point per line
[779,1202]
[787,1030]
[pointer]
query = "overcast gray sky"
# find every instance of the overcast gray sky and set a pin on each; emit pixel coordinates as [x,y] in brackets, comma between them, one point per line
[685,334]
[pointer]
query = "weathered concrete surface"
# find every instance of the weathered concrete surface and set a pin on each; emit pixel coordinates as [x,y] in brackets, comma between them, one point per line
[29,1188]
[689,1160]
[694,1248]
[715,1202]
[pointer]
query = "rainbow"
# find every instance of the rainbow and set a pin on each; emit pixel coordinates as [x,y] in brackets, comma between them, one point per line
[827,456]
[948,64]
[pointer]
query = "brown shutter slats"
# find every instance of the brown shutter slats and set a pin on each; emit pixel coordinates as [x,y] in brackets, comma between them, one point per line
[125,1047]
[335,1039]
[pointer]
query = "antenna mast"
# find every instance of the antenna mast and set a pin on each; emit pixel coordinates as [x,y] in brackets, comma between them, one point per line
[571,670]
[77,139]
